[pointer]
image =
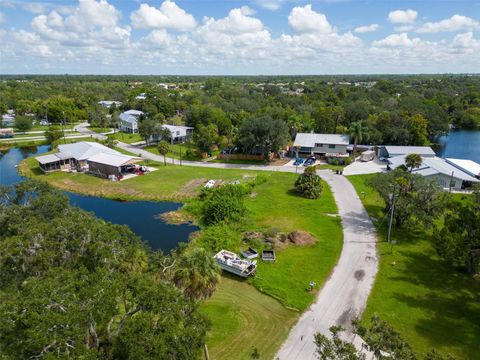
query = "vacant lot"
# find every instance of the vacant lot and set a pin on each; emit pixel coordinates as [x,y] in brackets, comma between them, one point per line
[244,319]
[431,304]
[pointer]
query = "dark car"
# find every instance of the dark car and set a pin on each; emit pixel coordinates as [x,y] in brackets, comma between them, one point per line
[309,162]
[298,162]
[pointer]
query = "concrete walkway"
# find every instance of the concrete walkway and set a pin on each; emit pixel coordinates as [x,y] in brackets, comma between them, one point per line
[344,295]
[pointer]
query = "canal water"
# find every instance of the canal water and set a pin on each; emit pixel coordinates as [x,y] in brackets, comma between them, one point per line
[140,216]
[461,144]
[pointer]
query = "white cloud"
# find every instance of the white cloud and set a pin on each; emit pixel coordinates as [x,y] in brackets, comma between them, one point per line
[367,28]
[305,20]
[402,16]
[455,23]
[168,16]
[272,5]
[394,40]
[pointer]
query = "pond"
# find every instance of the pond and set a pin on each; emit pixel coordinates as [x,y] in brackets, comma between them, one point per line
[460,144]
[140,216]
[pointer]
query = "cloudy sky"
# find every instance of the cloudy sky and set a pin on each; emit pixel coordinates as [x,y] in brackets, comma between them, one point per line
[239,37]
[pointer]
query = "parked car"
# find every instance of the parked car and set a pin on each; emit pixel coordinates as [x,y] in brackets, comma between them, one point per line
[309,162]
[298,162]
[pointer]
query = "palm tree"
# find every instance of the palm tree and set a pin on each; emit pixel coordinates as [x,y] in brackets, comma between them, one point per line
[413,161]
[197,274]
[163,148]
[357,131]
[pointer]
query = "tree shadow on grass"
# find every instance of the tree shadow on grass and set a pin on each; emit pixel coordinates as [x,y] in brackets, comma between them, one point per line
[449,299]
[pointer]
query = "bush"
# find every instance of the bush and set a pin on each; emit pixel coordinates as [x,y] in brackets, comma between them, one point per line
[224,203]
[217,237]
[309,184]
[23,123]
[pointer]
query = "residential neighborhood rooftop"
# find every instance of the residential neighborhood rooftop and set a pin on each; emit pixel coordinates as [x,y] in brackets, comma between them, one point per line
[310,139]
[420,150]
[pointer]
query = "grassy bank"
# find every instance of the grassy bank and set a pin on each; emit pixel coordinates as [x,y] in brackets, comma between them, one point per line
[431,304]
[176,151]
[126,137]
[244,319]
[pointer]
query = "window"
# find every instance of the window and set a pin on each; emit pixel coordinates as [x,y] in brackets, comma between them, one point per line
[318,145]
[331,146]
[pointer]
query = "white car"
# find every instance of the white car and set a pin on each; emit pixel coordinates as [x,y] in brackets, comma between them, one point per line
[210,184]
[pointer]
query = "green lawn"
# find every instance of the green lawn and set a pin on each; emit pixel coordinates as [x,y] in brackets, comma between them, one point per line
[276,205]
[176,151]
[99,129]
[431,304]
[243,319]
[167,183]
[236,161]
[126,137]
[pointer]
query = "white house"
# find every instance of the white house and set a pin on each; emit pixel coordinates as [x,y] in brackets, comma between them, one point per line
[320,144]
[179,133]
[141,96]
[435,168]
[107,104]
[129,121]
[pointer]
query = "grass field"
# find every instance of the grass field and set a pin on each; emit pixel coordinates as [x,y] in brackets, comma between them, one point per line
[176,151]
[126,137]
[431,304]
[244,319]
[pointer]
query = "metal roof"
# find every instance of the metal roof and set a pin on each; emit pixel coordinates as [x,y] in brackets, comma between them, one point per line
[400,150]
[470,167]
[309,140]
[46,159]
[83,150]
[431,166]
[113,159]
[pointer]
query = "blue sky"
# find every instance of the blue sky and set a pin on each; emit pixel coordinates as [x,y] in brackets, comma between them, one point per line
[239,37]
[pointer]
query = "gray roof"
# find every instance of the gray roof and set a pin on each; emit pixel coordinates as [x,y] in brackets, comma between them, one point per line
[400,150]
[433,166]
[83,150]
[309,140]
[46,159]
[470,167]
[113,159]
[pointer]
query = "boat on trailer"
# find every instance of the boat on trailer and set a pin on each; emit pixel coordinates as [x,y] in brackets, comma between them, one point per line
[231,262]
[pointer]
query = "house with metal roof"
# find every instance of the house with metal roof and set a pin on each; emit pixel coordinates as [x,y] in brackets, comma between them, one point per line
[320,144]
[437,169]
[390,151]
[86,156]
[129,121]
[470,167]
[178,133]
[107,104]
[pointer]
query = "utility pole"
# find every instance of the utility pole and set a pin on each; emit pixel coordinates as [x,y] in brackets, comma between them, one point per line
[63,128]
[180,144]
[171,146]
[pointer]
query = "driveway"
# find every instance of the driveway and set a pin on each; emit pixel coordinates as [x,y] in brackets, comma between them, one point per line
[368,167]
[344,295]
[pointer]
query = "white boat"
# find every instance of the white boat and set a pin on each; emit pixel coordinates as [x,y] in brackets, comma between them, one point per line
[231,262]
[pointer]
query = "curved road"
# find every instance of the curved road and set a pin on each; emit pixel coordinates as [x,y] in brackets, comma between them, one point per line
[344,295]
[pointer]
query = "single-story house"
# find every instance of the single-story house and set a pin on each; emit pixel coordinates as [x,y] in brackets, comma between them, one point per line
[8,119]
[320,144]
[435,168]
[86,156]
[129,121]
[468,166]
[107,104]
[141,96]
[390,151]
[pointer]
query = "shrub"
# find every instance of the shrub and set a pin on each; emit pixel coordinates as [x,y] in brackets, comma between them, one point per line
[224,203]
[217,237]
[309,184]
